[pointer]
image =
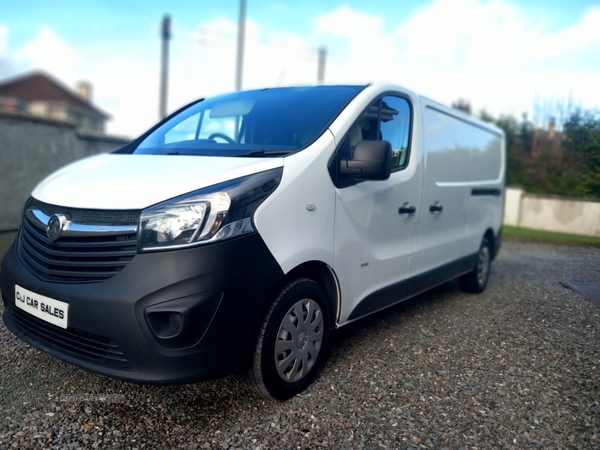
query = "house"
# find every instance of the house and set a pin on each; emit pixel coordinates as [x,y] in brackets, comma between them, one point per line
[38,94]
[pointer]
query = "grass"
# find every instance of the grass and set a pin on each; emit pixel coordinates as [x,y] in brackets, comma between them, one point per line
[527,234]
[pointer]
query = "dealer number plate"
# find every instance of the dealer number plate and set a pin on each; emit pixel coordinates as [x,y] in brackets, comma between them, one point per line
[42,307]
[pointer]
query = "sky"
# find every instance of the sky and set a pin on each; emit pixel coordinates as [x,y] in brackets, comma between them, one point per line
[504,56]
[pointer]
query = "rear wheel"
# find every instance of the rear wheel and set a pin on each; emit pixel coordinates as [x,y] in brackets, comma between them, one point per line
[292,341]
[477,280]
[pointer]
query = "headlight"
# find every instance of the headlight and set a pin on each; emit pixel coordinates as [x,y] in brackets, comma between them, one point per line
[212,214]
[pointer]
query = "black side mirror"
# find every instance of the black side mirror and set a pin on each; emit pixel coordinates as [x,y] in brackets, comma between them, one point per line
[371,160]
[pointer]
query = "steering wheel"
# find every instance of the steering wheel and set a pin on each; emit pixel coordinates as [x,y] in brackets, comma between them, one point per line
[222,136]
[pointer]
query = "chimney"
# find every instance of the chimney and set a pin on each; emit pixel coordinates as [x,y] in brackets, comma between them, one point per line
[84,90]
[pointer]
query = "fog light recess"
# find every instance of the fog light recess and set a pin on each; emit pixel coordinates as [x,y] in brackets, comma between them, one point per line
[181,323]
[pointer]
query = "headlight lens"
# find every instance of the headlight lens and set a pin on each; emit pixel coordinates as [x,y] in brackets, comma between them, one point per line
[212,214]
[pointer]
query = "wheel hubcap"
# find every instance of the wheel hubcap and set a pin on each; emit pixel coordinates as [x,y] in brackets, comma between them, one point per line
[302,340]
[299,340]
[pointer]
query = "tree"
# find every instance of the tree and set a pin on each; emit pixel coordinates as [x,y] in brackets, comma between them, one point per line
[462,105]
[560,157]
[582,146]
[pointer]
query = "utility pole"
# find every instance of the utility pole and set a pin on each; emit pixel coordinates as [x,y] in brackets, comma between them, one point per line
[321,69]
[240,46]
[164,68]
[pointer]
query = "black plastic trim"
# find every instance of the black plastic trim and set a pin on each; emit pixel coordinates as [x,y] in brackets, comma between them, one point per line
[495,192]
[62,260]
[227,284]
[405,289]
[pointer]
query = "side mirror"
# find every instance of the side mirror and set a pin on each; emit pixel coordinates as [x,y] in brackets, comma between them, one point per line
[371,160]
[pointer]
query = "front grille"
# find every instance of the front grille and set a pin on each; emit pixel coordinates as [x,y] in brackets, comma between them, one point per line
[90,216]
[75,259]
[73,342]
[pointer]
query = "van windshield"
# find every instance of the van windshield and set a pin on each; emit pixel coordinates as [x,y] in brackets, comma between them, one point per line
[267,122]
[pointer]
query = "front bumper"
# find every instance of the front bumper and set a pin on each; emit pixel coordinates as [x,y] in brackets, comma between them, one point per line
[219,290]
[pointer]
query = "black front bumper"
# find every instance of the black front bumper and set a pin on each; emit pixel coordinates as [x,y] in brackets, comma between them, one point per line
[116,326]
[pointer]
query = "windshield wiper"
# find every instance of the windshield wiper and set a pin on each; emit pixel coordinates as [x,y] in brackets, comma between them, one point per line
[257,153]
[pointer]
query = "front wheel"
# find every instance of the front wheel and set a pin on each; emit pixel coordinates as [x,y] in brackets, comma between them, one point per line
[292,341]
[477,280]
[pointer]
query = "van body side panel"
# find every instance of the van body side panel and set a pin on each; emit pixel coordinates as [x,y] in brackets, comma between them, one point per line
[297,220]
[463,160]
[412,286]
[487,201]
[464,174]
[442,234]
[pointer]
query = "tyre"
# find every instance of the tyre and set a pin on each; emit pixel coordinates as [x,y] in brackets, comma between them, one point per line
[292,341]
[477,280]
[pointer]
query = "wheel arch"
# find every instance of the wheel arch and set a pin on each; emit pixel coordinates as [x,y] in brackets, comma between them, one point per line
[494,241]
[322,274]
[319,272]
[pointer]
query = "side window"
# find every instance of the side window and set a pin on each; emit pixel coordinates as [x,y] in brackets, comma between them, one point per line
[395,128]
[367,125]
[385,119]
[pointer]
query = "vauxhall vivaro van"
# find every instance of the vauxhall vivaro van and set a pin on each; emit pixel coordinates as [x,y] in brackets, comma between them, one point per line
[232,236]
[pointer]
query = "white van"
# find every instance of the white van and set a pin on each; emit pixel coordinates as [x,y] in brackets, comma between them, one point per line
[232,236]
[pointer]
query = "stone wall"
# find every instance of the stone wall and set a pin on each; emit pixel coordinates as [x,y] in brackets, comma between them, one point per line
[30,149]
[552,213]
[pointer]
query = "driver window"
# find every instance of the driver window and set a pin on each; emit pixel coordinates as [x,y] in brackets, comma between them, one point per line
[395,128]
[367,125]
[386,119]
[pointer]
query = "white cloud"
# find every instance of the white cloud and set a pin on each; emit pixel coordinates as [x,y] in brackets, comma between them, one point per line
[462,31]
[363,32]
[127,91]
[582,36]
[207,66]
[492,34]
[348,22]
[6,64]
[3,38]
[48,51]
[491,52]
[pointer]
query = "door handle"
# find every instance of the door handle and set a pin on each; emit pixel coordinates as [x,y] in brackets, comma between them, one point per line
[436,207]
[407,209]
